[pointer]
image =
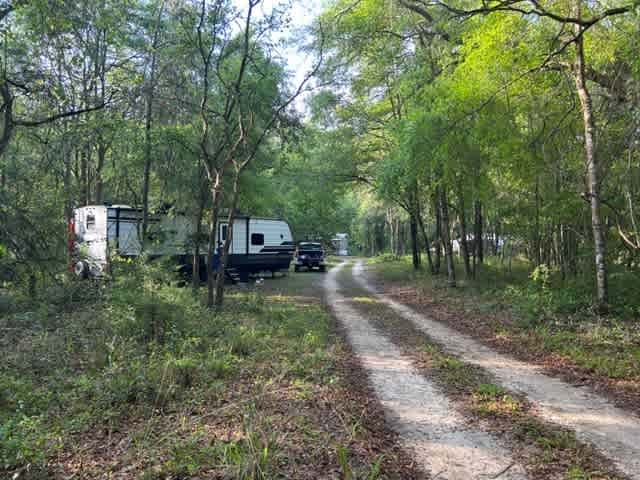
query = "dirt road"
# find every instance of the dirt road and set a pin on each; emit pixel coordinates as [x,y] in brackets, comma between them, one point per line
[441,440]
[427,422]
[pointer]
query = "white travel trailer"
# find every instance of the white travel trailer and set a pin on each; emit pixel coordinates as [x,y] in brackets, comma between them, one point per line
[97,231]
[341,244]
[259,244]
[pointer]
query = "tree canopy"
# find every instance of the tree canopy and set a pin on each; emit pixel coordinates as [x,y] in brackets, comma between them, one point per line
[482,127]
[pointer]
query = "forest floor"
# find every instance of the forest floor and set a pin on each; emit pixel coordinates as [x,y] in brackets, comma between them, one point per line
[551,425]
[357,373]
[154,386]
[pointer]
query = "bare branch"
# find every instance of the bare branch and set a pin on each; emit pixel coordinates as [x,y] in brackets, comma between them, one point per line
[301,87]
[526,7]
[53,118]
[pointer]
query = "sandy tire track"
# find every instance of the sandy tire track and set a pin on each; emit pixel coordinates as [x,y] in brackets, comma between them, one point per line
[441,440]
[611,430]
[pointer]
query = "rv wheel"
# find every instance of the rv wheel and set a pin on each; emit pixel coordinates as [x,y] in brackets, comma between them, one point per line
[296,268]
[81,269]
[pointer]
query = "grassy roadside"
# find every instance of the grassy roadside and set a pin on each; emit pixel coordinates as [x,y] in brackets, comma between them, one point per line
[535,319]
[138,380]
[545,450]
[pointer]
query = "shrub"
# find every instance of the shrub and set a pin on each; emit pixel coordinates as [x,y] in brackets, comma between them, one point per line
[7,303]
[242,342]
[23,440]
[216,367]
[188,456]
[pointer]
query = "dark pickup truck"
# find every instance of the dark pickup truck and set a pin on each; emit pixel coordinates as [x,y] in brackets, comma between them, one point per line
[310,255]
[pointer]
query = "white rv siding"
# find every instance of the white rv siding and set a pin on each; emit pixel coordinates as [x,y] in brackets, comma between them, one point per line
[239,236]
[275,232]
[102,230]
[169,235]
[90,227]
[127,241]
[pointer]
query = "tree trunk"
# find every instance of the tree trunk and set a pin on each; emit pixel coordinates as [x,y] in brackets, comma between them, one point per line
[102,145]
[146,173]
[415,250]
[478,232]
[464,245]
[438,239]
[427,245]
[68,200]
[446,238]
[7,113]
[85,189]
[372,239]
[536,228]
[102,153]
[195,271]
[32,285]
[227,243]
[211,247]
[148,125]
[413,226]
[195,260]
[392,232]
[593,173]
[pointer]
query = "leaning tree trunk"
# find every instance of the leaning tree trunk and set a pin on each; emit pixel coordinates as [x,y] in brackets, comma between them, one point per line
[446,238]
[593,173]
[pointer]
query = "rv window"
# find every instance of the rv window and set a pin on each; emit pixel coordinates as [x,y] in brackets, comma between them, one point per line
[91,221]
[223,235]
[257,239]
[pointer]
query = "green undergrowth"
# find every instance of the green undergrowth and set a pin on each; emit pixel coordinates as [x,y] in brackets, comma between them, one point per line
[91,357]
[538,310]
